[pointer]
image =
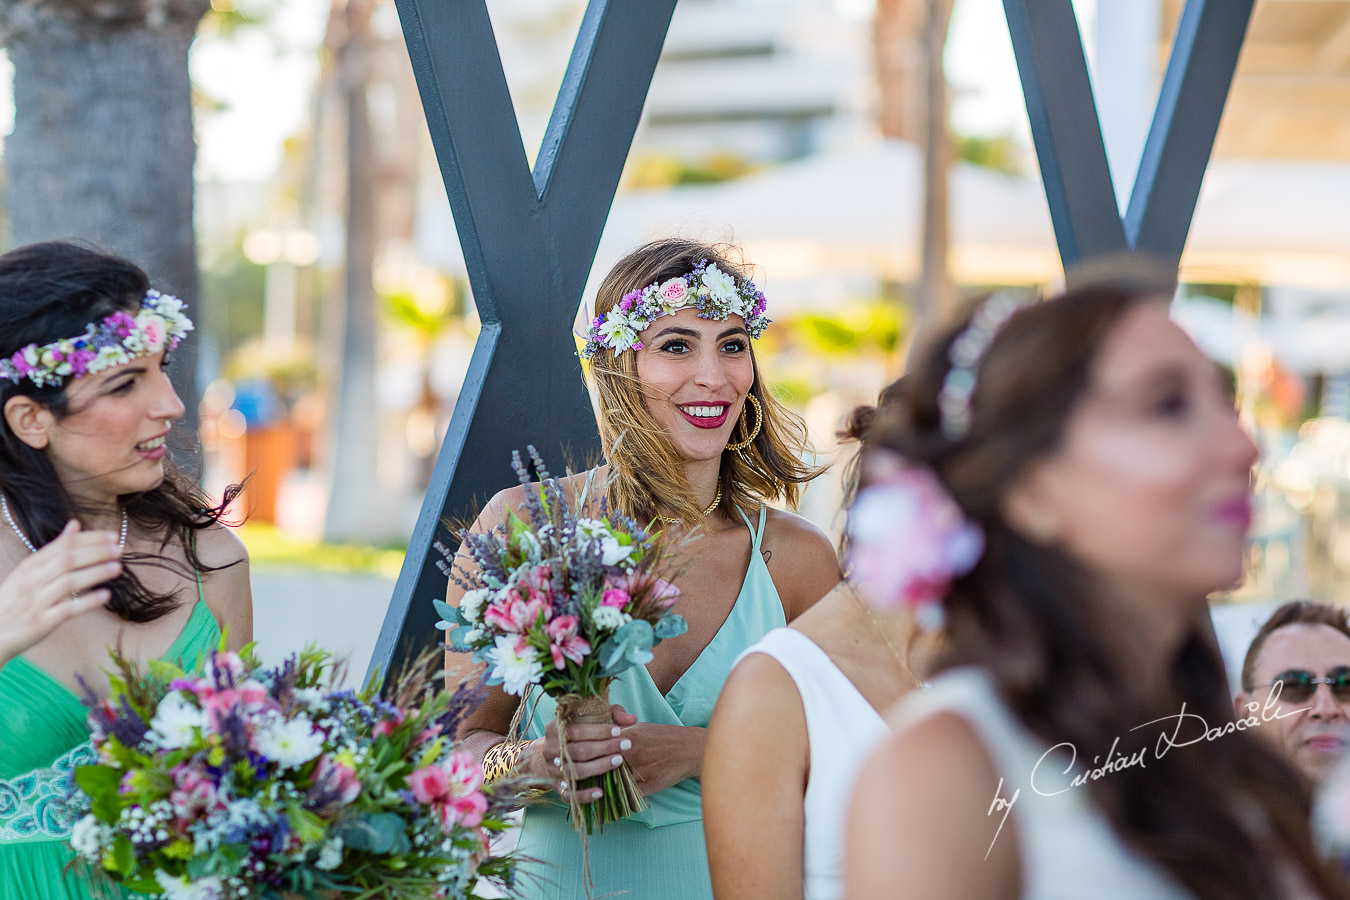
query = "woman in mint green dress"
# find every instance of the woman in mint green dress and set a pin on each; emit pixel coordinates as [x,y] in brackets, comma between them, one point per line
[694,439]
[102,542]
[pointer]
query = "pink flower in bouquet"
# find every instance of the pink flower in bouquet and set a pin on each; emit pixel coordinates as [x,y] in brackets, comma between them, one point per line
[656,590]
[337,778]
[194,796]
[452,790]
[536,584]
[910,541]
[386,726]
[429,734]
[566,643]
[229,664]
[514,614]
[615,597]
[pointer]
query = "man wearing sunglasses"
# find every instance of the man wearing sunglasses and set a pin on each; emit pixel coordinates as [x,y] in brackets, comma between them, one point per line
[1304,648]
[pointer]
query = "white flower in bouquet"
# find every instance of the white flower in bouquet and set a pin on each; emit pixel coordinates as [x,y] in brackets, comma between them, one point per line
[471,605]
[205,888]
[175,722]
[90,837]
[312,698]
[515,662]
[611,551]
[529,546]
[609,618]
[330,857]
[289,744]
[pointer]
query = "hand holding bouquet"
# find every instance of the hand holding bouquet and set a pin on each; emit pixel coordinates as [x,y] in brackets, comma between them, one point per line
[566,602]
[251,783]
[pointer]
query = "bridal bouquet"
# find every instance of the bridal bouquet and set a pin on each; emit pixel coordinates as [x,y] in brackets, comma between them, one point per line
[255,784]
[565,602]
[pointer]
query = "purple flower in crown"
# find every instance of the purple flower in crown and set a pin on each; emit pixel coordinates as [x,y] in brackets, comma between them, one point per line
[121,323]
[909,541]
[80,359]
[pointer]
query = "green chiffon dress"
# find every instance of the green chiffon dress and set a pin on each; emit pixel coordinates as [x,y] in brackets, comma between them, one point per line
[43,737]
[658,853]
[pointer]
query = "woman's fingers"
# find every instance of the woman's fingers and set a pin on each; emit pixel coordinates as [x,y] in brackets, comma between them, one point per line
[71,551]
[77,605]
[72,583]
[622,716]
[579,732]
[586,795]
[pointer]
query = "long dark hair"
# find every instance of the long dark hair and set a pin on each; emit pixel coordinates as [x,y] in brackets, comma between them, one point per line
[1224,818]
[53,290]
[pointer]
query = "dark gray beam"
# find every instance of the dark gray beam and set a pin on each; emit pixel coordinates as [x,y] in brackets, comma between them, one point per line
[1065,129]
[529,240]
[1194,90]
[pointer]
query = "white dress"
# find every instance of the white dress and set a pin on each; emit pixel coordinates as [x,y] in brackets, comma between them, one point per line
[1068,849]
[842,729]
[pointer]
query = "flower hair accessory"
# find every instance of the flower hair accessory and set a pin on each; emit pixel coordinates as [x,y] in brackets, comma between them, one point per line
[708,289]
[908,541]
[965,354]
[118,339]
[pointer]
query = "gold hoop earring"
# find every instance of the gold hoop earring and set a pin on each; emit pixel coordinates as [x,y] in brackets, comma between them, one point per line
[759,423]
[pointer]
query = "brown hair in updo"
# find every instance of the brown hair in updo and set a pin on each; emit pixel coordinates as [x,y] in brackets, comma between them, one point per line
[647,472]
[1032,616]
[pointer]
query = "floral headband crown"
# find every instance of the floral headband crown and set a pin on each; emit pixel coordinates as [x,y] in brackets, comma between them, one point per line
[708,289]
[118,339]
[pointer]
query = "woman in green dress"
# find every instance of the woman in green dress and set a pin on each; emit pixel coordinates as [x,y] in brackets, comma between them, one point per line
[694,439]
[102,542]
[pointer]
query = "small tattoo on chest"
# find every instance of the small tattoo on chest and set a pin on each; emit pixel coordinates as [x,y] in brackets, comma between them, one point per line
[767,554]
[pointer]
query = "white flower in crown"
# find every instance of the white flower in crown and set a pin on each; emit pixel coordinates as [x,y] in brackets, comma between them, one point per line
[617,333]
[719,284]
[154,331]
[108,357]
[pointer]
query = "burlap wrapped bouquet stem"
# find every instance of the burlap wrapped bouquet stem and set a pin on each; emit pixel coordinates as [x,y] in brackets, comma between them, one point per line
[620,796]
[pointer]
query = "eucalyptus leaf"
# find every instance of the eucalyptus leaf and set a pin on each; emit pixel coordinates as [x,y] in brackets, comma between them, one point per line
[445,611]
[669,626]
[631,645]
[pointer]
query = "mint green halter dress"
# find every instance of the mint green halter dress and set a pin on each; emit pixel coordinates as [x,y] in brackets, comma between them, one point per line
[658,853]
[43,737]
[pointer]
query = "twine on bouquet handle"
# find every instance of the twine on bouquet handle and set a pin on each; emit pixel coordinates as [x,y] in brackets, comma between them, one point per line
[587,711]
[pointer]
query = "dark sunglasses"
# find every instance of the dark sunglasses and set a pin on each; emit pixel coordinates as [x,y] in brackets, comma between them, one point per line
[1299,684]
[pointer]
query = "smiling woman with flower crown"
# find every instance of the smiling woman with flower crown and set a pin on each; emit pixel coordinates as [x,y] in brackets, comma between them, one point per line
[696,445]
[102,542]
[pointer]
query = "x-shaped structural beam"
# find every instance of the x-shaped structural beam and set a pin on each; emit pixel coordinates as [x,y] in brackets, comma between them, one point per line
[529,240]
[1068,137]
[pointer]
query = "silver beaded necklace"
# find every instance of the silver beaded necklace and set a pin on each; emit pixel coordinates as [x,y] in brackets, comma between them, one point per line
[4,507]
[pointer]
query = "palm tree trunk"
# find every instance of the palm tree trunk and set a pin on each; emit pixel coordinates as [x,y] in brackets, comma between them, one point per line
[936,294]
[103,146]
[355,508]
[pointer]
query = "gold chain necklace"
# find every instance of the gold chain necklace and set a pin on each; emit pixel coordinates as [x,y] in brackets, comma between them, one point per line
[702,515]
[881,633]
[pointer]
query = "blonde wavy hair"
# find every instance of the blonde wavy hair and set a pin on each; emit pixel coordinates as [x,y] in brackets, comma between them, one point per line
[646,469]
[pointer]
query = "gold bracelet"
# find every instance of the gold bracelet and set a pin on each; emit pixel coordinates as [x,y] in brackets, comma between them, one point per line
[501,760]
